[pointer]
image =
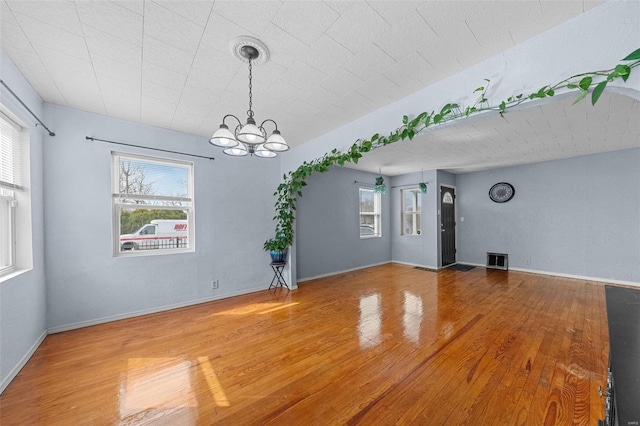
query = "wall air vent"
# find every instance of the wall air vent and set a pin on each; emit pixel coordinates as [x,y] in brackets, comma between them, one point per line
[498,261]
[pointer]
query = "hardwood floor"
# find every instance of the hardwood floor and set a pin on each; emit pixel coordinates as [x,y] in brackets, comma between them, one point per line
[385,345]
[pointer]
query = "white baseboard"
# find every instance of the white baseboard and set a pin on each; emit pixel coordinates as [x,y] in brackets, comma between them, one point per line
[315,277]
[13,373]
[577,277]
[82,324]
[418,265]
[559,274]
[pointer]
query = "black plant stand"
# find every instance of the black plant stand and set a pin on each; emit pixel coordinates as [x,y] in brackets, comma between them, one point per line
[278,278]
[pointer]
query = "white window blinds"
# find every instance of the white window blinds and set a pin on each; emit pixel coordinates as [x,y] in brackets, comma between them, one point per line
[11,153]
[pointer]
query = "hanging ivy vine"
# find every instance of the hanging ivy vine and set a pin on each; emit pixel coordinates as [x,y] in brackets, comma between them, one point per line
[593,82]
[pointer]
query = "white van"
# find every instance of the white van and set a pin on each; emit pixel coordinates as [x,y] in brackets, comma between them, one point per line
[160,233]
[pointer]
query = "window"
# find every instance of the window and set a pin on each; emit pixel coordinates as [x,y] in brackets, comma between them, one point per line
[152,205]
[411,209]
[369,214]
[148,230]
[13,167]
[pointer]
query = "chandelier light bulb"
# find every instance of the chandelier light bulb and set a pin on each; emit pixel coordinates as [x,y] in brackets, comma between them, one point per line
[223,137]
[238,151]
[250,133]
[263,152]
[276,142]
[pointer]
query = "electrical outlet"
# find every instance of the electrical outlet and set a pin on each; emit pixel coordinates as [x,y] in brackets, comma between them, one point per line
[214,284]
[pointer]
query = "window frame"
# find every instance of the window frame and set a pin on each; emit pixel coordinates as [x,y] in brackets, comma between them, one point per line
[14,193]
[119,204]
[11,243]
[416,213]
[377,213]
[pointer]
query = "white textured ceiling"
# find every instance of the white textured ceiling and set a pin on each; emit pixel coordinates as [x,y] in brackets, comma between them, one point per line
[167,63]
[536,133]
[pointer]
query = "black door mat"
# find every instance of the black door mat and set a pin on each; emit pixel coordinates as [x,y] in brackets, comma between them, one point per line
[459,267]
[422,268]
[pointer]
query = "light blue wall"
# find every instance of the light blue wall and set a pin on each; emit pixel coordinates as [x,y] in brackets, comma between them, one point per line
[327,230]
[419,250]
[23,298]
[446,178]
[86,284]
[579,216]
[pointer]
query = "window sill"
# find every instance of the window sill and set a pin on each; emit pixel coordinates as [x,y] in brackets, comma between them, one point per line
[9,275]
[151,252]
[368,237]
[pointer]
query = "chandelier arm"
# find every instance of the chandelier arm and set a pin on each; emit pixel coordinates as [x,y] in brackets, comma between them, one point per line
[231,115]
[263,133]
[268,119]
[237,130]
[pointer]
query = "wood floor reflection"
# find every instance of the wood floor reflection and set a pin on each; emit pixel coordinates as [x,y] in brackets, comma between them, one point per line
[386,345]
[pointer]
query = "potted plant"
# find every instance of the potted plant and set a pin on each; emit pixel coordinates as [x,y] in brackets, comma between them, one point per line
[278,248]
[380,187]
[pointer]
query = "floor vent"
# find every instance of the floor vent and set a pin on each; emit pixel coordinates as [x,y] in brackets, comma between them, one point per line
[498,261]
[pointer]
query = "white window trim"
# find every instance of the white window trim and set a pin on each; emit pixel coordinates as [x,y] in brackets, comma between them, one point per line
[415,213]
[18,197]
[118,205]
[377,214]
[12,249]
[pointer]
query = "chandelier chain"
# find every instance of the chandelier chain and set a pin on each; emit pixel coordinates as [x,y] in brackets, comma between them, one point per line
[250,112]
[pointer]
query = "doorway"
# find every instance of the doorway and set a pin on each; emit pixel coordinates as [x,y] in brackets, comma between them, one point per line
[448,224]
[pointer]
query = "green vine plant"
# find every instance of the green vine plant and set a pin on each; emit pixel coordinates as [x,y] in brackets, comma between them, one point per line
[593,82]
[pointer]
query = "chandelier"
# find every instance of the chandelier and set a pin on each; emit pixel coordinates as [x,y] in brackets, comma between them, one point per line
[249,138]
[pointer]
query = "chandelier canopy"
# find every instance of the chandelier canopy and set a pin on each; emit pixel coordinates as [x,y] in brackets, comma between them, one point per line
[249,138]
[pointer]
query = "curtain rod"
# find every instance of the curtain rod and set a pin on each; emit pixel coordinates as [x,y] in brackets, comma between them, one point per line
[89,138]
[26,107]
[396,186]
[409,184]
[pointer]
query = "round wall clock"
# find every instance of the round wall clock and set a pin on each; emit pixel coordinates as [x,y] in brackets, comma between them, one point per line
[502,192]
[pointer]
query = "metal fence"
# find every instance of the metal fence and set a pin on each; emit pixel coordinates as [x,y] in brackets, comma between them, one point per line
[164,243]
